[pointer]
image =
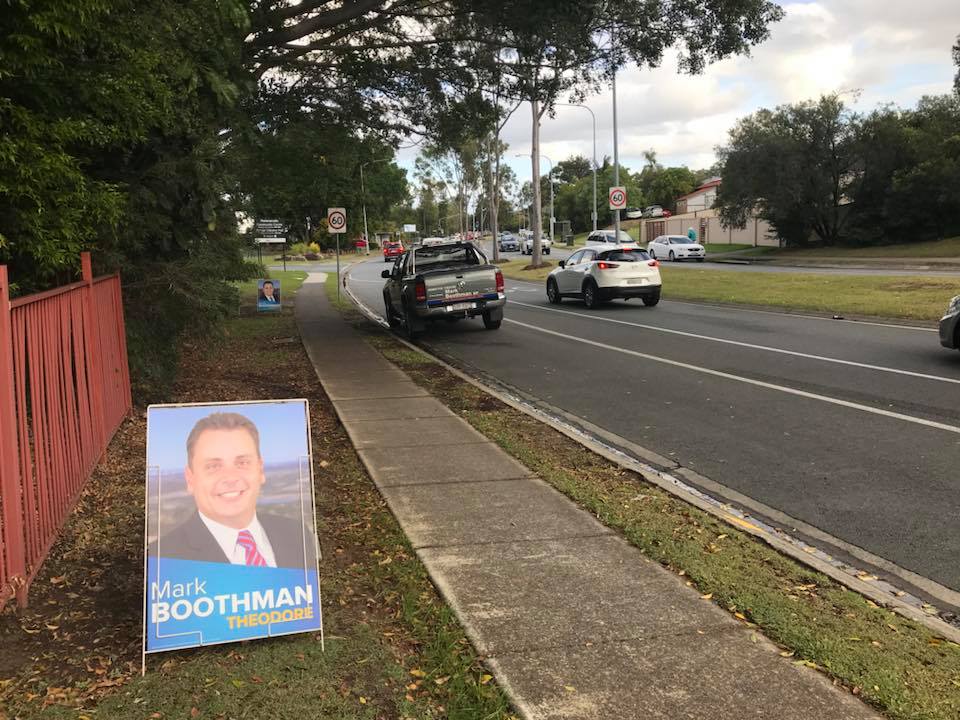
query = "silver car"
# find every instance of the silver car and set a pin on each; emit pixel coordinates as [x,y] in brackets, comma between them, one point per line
[950,325]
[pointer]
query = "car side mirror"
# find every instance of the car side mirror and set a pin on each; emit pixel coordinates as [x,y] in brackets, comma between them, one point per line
[385,274]
[563,263]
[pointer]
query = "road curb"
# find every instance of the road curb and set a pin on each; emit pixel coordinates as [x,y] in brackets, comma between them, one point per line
[876,590]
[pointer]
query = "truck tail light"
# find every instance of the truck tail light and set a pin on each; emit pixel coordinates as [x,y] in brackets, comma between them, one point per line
[420,291]
[603,265]
[499,282]
[654,263]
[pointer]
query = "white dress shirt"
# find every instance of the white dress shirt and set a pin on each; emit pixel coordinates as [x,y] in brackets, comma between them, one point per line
[226,538]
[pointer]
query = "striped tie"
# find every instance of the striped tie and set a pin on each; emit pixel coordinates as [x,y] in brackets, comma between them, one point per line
[249,545]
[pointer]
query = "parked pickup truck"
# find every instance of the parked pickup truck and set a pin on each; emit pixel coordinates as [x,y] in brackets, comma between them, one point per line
[442,282]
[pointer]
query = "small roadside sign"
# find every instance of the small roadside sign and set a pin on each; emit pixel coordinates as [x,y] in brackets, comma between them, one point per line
[337,220]
[618,198]
[409,228]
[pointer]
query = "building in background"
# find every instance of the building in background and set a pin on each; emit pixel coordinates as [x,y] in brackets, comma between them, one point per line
[702,198]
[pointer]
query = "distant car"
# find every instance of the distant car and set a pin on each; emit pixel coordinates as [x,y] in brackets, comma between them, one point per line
[608,237]
[633,213]
[676,247]
[652,211]
[508,242]
[667,213]
[545,245]
[950,325]
[599,274]
[392,249]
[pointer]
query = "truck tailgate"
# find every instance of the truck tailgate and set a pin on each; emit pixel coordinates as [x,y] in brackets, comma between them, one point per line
[445,286]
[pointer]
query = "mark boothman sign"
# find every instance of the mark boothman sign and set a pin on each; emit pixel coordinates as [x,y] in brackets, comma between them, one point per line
[231,546]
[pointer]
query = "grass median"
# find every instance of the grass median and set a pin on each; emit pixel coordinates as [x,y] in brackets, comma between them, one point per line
[893,663]
[902,297]
[393,648]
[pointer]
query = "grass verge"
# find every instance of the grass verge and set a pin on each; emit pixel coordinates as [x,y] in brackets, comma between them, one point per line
[903,297]
[891,662]
[946,248]
[393,648]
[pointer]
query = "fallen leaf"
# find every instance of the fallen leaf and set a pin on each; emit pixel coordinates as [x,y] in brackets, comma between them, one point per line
[707,596]
[569,688]
[484,679]
[363,700]
[417,672]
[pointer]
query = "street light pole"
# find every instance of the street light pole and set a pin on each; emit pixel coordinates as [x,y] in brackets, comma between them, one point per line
[593,210]
[616,159]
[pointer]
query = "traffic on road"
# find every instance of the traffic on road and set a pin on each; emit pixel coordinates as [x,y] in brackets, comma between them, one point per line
[836,429]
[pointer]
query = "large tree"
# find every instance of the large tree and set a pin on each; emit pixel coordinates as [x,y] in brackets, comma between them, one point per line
[796,166]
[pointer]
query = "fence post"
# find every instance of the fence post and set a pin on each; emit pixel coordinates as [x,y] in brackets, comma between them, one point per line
[92,350]
[10,480]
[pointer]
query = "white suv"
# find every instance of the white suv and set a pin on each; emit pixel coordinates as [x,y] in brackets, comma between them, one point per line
[599,274]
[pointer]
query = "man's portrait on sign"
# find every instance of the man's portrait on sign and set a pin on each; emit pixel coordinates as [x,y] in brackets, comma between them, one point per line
[231,543]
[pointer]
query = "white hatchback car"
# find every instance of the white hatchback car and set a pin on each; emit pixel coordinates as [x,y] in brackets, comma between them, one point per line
[676,247]
[598,274]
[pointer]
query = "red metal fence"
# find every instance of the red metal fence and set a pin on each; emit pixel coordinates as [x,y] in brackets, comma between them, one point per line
[64,390]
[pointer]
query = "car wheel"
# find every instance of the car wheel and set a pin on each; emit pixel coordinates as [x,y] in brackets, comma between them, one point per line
[673,258]
[492,321]
[547,251]
[653,255]
[553,292]
[591,294]
[651,300]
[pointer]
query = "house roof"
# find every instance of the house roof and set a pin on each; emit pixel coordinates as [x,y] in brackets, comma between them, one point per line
[711,183]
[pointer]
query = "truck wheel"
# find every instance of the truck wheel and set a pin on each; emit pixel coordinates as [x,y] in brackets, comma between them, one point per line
[410,327]
[492,319]
[392,319]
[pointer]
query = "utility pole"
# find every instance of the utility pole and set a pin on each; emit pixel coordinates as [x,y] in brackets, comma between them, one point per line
[616,159]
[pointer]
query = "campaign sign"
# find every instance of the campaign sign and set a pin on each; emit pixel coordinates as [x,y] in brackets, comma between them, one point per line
[231,545]
[268,296]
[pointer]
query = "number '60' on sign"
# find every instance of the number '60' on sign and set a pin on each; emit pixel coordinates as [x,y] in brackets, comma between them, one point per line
[618,198]
[336,220]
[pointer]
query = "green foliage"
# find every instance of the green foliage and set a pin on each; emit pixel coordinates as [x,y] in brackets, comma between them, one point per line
[110,114]
[821,174]
[667,184]
[795,165]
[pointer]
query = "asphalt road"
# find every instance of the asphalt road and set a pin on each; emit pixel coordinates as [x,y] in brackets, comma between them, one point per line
[562,253]
[853,428]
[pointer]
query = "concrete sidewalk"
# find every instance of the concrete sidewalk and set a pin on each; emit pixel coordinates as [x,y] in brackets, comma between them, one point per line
[574,621]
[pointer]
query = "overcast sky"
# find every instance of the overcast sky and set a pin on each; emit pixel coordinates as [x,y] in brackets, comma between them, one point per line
[891,51]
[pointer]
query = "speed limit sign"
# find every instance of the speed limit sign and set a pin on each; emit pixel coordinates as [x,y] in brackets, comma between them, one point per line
[336,220]
[618,198]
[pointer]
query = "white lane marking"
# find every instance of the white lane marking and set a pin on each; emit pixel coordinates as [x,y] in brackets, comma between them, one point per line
[752,346]
[746,380]
[734,308]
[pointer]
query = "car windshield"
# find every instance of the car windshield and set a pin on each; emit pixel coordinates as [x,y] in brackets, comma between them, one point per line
[442,255]
[624,255]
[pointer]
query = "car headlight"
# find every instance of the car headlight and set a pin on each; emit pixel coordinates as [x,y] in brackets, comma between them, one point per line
[954,307]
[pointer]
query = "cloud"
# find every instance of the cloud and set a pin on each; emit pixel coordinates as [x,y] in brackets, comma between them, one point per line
[888,50]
